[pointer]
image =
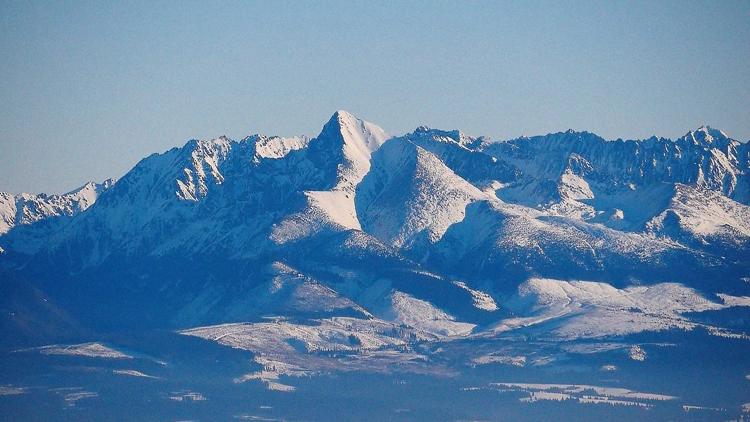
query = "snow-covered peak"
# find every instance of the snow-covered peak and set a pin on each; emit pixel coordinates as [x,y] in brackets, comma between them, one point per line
[572,135]
[206,156]
[87,194]
[706,136]
[27,209]
[423,133]
[348,138]
[277,147]
[263,194]
[355,132]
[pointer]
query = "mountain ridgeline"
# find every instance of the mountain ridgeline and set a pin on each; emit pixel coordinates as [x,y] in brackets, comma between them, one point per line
[201,234]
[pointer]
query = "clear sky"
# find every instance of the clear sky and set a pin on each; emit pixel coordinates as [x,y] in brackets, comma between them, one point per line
[88,88]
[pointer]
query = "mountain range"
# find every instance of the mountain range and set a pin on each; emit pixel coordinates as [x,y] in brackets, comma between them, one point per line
[359,251]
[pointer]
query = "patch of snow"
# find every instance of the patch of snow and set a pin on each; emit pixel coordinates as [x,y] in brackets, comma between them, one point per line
[276,147]
[581,389]
[637,353]
[338,206]
[606,400]
[132,373]
[583,309]
[277,386]
[424,316]
[72,395]
[690,408]
[187,395]
[575,187]
[93,350]
[481,299]
[73,398]
[734,300]
[545,395]
[519,361]
[321,346]
[590,348]
[9,390]
[334,334]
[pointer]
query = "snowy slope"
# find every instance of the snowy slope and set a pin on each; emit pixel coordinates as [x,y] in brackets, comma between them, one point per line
[410,192]
[431,253]
[27,209]
[352,142]
[433,230]
[227,196]
[246,198]
[509,243]
[582,175]
[583,309]
[704,218]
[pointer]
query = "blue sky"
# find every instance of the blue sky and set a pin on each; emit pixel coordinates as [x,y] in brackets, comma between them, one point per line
[89,88]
